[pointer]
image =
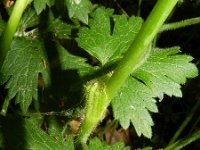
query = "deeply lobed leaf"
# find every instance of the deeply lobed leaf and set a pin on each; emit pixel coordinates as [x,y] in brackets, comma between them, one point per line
[132,104]
[100,42]
[25,60]
[165,70]
[20,70]
[161,74]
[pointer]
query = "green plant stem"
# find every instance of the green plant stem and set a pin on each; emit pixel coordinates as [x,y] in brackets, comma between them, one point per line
[108,126]
[11,27]
[7,37]
[100,93]
[139,7]
[138,51]
[112,132]
[185,122]
[184,142]
[180,24]
[96,104]
[5,106]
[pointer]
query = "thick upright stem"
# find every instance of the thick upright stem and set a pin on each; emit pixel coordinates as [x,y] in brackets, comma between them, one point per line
[11,27]
[138,51]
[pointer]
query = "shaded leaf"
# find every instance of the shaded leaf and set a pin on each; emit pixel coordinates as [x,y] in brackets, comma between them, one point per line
[40,5]
[26,135]
[28,20]
[25,60]
[20,70]
[79,9]
[2,25]
[60,29]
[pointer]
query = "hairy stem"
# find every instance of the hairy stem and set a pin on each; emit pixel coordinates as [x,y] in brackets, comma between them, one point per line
[11,27]
[138,51]
[96,104]
[180,24]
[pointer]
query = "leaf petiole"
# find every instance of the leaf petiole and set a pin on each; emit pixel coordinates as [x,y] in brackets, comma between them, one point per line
[180,24]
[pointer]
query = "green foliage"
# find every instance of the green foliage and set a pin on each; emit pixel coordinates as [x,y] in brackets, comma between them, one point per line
[104,44]
[44,47]
[137,99]
[161,74]
[165,70]
[27,135]
[79,9]
[2,25]
[60,29]
[41,5]
[21,67]
[22,72]
[28,20]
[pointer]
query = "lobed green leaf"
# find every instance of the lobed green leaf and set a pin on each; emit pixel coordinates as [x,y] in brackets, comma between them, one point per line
[103,43]
[20,70]
[25,60]
[132,104]
[162,73]
[79,9]
[165,70]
